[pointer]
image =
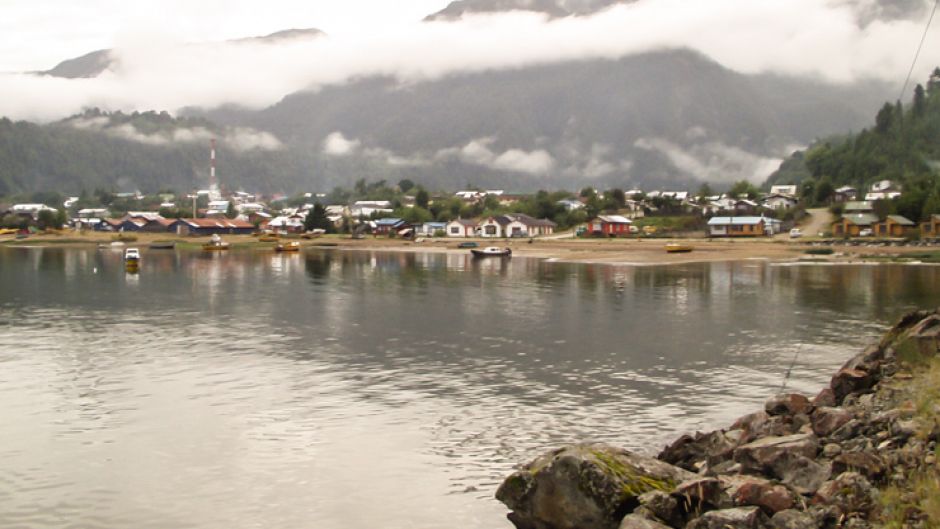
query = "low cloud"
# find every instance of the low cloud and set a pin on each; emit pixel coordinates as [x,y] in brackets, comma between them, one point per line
[478,152]
[237,138]
[817,38]
[713,161]
[336,144]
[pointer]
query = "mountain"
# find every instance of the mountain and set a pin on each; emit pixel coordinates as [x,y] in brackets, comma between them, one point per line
[553,8]
[97,62]
[901,146]
[668,119]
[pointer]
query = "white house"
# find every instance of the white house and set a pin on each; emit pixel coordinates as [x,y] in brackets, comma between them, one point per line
[571,204]
[786,190]
[30,209]
[461,228]
[365,208]
[779,202]
[516,225]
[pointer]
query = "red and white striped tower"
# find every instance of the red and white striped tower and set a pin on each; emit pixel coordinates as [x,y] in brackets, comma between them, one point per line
[214,192]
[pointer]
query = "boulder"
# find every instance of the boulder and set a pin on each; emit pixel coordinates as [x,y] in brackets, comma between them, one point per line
[800,473]
[848,380]
[826,397]
[771,498]
[793,519]
[584,485]
[761,454]
[787,404]
[850,493]
[635,521]
[690,452]
[868,465]
[926,334]
[700,494]
[831,450]
[736,518]
[827,420]
[661,506]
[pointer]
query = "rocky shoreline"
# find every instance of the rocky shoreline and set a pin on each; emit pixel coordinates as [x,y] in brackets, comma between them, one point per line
[800,463]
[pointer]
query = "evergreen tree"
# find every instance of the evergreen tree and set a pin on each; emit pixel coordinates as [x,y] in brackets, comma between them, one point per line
[920,102]
[316,219]
[422,198]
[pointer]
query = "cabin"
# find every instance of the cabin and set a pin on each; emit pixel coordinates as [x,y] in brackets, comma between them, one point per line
[931,227]
[515,225]
[894,226]
[788,190]
[851,225]
[428,229]
[609,225]
[737,227]
[388,225]
[845,194]
[778,201]
[461,228]
[212,227]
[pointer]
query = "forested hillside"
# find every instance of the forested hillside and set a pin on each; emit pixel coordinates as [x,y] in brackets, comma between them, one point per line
[902,146]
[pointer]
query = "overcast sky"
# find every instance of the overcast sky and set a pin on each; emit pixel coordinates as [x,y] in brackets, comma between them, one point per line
[170,56]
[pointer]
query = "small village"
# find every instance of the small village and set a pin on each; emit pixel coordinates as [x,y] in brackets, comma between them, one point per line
[484,214]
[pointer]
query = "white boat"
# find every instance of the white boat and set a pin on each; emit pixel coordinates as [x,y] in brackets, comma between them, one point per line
[491,251]
[132,255]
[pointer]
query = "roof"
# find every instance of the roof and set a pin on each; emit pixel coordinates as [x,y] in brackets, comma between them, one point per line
[436,224]
[217,223]
[858,205]
[388,221]
[614,219]
[898,219]
[527,220]
[466,222]
[861,219]
[735,221]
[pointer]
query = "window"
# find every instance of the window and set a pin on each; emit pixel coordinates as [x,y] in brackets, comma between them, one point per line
[490,229]
[454,230]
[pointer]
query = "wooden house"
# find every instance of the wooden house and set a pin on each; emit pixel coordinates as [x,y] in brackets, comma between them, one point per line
[737,227]
[931,227]
[894,226]
[851,225]
[609,225]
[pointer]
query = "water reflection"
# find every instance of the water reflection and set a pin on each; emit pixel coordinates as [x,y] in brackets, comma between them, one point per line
[350,389]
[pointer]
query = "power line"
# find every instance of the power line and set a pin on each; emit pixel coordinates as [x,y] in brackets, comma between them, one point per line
[921,45]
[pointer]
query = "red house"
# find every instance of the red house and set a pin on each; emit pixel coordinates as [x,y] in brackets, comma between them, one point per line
[610,226]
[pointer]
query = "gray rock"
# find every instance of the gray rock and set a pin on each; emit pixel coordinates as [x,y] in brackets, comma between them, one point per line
[870,466]
[800,473]
[827,420]
[831,450]
[585,485]
[736,518]
[635,521]
[850,493]
[661,506]
[787,404]
[769,497]
[825,398]
[793,519]
[690,452]
[700,494]
[847,381]
[762,454]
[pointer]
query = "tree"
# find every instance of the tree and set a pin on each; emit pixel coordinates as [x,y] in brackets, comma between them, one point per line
[49,218]
[405,185]
[230,211]
[616,194]
[824,191]
[588,192]
[884,119]
[422,198]
[316,219]
[920,102]
[743,188]
[704,191]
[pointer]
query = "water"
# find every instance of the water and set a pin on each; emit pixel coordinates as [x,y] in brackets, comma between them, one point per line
[352,390]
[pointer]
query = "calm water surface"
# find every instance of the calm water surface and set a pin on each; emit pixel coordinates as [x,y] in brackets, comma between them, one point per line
[356,390]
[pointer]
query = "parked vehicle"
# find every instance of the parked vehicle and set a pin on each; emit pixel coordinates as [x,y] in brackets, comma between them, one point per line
[795,233]
[865,233]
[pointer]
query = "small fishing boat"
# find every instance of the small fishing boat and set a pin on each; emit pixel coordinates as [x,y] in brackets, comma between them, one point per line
[675,247]
[269,237]
[215,244]
[491,251]
[162,245]
[132,255]
[292,246]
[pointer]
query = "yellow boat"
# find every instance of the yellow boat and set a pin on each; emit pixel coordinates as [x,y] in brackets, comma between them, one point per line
[292,246]
[215,244]
[675,247]
[269,237]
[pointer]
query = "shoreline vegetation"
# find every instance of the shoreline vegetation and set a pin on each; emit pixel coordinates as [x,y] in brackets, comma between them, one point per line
[860,454]
[620,251]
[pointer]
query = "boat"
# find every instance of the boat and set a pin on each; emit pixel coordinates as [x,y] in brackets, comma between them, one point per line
[491,251]
[132,255]
[215,244]
[467,244]
[162,245]
[314,233]
[269,237]
[292,246]
[675,247]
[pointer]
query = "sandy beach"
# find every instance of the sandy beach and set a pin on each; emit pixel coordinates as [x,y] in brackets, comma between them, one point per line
[646,251]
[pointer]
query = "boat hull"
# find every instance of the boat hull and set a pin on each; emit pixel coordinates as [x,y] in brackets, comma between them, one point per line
[678,248]
[484,253]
